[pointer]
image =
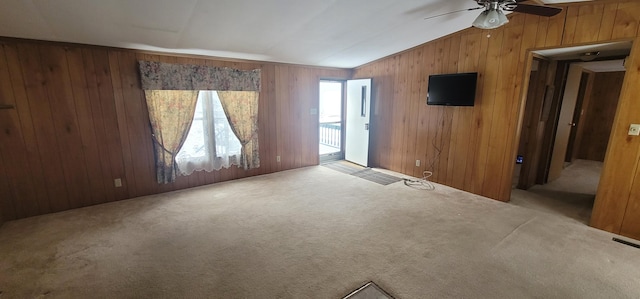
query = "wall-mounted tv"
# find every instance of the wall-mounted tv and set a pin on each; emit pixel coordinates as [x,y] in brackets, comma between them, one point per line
[452,89]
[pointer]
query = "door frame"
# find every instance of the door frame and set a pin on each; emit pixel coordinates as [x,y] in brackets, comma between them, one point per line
[531,53]
[340,155]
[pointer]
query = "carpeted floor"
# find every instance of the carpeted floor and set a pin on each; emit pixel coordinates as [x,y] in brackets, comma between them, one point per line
[572,195]
[311,233]
[362,172]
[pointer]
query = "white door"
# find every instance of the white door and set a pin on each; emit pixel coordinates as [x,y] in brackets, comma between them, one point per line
[565,122]
[357,121]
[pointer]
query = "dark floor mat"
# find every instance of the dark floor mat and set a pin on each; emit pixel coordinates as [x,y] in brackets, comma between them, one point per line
[362,172]
[344,166]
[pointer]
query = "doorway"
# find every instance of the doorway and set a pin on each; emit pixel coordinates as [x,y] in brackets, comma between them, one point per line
[331,120]
[567,121]
[345,112]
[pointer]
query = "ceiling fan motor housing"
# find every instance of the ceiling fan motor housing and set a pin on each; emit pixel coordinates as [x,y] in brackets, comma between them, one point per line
[508,5]
[493,15]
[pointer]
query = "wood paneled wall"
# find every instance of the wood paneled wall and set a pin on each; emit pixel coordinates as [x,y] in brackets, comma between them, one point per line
[598,115]
[80,121]
[80,118]
[473,148]
[465,147]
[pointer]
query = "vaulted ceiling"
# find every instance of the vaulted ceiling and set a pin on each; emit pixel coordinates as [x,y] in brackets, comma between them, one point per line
[319,32]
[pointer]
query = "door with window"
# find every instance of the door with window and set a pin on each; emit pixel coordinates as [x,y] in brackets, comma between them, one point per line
[357,121]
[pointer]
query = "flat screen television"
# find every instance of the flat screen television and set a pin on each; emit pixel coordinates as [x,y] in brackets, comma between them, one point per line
[452,89]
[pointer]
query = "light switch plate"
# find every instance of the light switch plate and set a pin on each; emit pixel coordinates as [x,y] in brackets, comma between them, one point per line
[634,130]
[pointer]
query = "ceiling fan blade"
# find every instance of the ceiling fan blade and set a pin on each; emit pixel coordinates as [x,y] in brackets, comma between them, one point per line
[452,12]
[544,11]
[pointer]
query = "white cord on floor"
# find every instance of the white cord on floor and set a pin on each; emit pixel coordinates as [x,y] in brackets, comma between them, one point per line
[421,184]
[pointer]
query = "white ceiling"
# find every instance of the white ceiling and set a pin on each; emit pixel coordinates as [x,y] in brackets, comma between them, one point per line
[616,65]
[311,32]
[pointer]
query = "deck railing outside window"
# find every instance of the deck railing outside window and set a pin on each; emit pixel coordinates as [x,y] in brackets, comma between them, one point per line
[330,134]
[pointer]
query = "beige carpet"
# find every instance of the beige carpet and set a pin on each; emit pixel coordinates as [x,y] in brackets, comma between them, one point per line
[311,233]
[571,195]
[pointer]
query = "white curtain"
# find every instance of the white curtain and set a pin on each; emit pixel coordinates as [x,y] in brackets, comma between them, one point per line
[211,144]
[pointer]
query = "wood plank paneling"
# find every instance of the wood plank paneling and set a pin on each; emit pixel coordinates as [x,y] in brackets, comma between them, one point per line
[450,65]
[129,179]
[476,145]
[81,121]
[409,143]
[84,114]
[7,208]
[631,222]
[571,24]
[615,190]
[309,123]
[97,149]
[383,85]
[295,110]
[283,118]
[399,115]
[588,19]
[269,72]
[503,116]
[13,151]
[106,116]
[486,103]
[423,145]
[599,114]
[65,122]
[608,21]
[28,131]
[556,28]
[134,110]
[385,117]
[471,182]
[627,20]
[468,62]
[42,117]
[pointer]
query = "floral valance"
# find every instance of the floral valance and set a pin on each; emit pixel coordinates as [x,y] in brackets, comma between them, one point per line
[166,76]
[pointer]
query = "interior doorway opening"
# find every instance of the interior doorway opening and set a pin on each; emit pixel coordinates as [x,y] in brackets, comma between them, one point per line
[331,119]
[567,122]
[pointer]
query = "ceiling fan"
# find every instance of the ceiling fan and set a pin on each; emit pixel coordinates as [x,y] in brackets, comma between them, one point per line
[493,14]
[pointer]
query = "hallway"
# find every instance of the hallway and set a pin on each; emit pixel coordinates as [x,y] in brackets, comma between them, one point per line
[571,196]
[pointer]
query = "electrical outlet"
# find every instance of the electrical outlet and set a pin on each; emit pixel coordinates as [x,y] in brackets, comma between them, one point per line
[634,130]
[418,163]
[278,159]
[117,182]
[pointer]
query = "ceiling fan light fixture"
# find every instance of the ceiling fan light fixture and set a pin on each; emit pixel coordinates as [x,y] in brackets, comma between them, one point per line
[490,19]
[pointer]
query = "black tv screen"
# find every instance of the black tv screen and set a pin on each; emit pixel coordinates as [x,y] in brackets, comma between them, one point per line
[452,89]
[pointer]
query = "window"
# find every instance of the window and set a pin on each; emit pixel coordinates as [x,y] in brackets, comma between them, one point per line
[210,144]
